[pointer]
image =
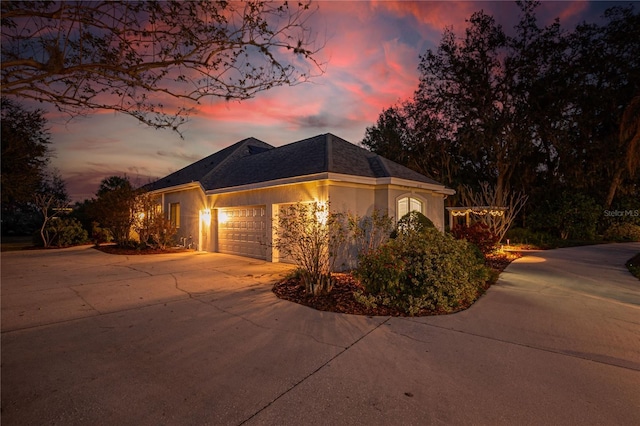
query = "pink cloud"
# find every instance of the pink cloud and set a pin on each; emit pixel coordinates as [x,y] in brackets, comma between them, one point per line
[373,51]
[435,14]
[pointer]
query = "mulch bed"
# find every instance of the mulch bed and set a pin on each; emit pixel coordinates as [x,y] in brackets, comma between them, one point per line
[340,299]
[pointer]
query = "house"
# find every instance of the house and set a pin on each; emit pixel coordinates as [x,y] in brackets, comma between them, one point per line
[226,202]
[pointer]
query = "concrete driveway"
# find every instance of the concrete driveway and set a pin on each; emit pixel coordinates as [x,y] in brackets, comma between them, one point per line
[91,338]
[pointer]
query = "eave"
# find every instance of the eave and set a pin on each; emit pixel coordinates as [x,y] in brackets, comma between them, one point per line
[336,177]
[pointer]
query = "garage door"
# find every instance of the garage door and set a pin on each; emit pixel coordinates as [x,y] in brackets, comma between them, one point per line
[243,231]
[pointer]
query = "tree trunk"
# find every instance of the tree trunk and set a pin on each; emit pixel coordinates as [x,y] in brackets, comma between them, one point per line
[613,187]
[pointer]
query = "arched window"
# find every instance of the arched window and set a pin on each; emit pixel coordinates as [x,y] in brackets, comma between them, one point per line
[409,204]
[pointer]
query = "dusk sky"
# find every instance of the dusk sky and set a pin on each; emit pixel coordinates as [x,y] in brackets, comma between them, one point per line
[372,53]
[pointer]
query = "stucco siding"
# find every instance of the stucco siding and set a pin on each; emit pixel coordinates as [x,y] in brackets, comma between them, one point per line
[356,198]
[191,201]
[352,199]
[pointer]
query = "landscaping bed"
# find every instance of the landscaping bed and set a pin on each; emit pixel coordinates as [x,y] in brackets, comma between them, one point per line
[341,298]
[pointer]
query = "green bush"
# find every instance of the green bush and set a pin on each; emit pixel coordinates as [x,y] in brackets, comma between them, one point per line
[100,235]
[412,221]
[70,232]
[422,270]
[63,232]
[622,231]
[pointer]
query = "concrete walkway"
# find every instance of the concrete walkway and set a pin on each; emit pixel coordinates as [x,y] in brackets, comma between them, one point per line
[91,338]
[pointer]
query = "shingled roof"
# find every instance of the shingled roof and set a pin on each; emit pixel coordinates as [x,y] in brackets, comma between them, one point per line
[201,170]
[252,161]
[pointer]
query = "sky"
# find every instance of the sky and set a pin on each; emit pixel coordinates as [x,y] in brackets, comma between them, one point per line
[371,50]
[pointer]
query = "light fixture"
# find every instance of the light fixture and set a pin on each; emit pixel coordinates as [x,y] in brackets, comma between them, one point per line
[322,212]
[205,216]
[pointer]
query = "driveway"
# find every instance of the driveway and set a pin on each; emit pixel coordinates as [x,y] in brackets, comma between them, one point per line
[91,338]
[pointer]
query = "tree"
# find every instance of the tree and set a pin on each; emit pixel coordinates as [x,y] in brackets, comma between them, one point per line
[390,137]
[538,110]
[25,152]
[50,201]
[152,59]
[469,118]
[479,87]
[604,68]
[115,207]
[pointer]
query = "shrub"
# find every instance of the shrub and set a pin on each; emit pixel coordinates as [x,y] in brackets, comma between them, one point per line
[100,235]
[570,216]
[622,231]
[478,234]
[312,238]
[382,269]
[162,233]
[63,232]
[153,229]
[423,270]
[527,236]
[412,221]
[70,232]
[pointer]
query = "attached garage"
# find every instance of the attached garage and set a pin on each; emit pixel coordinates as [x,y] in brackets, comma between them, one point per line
[230,198]
[243,231]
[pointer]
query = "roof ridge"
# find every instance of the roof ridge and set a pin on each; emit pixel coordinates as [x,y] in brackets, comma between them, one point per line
[329,151]
[380,160]
[240,145]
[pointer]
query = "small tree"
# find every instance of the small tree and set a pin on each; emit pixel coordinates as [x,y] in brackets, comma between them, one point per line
[50,201]
[488,195]
[49,207]
[311,237]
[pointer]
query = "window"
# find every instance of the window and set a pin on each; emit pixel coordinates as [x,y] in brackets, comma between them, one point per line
[174,214]
[409,204]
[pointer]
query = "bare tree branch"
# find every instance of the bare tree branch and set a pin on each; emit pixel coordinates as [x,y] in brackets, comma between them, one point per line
[139,57]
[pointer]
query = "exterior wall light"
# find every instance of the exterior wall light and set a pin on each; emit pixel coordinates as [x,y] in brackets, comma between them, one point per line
[205,216]
[322,212]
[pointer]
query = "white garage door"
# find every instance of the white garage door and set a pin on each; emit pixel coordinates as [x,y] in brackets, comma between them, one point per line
[243,231]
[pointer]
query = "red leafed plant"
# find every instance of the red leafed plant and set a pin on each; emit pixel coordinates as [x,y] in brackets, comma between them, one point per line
[478,234]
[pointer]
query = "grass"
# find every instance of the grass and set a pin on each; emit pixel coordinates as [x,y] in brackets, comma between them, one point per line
[633,265]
